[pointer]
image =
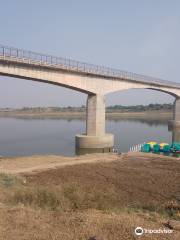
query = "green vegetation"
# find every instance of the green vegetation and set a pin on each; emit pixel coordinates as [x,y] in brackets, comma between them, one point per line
[140,108]
[114,108]
[8,180]
[36,197]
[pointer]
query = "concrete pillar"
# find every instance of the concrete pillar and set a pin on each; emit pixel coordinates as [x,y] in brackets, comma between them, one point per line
[176,114]
[175,129]
[174,125]
[95,115]
[95,139]
[176,135]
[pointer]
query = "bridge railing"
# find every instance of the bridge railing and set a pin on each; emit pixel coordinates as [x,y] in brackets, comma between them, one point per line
[21,55]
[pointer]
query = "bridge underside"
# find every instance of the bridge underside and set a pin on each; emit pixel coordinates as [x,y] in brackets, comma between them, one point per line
[82,82]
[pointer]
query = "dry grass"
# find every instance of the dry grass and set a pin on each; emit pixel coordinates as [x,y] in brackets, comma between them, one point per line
[26,223]
[106,199]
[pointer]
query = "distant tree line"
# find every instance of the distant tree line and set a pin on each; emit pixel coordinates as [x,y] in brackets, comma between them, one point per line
[114,108]
[141,108]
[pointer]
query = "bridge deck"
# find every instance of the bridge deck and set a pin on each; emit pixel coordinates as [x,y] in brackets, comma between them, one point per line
[33,58]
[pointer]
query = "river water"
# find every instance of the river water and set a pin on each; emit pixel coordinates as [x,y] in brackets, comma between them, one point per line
[20,137]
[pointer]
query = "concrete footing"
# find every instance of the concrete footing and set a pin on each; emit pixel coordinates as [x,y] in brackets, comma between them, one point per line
[99,144]
[82,151]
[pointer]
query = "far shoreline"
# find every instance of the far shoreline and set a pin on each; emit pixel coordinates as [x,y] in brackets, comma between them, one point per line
[145,115]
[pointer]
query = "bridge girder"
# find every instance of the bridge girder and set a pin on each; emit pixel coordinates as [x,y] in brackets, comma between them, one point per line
[85,83]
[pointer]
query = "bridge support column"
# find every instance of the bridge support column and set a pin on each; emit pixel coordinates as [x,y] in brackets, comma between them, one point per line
[176,114]
[95,139]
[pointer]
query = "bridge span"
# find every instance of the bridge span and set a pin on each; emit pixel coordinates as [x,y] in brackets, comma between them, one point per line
[96,81]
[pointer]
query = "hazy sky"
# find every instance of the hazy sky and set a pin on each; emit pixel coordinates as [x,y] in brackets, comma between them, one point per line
[139,36]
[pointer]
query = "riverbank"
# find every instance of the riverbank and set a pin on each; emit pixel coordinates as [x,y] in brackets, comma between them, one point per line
[150,115]
[91,197]
[39,163]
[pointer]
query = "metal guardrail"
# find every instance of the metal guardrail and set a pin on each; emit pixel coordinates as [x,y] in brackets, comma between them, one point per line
[24,56]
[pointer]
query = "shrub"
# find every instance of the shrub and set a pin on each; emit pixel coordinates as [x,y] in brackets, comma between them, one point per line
[41,198]
[8,180]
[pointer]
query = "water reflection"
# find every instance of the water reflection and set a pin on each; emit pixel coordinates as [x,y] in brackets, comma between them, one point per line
[150,122]
[57,136]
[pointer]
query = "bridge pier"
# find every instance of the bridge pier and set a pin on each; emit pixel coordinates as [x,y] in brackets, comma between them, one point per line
[176,114]
[176,135]
[95,139]
[175,132]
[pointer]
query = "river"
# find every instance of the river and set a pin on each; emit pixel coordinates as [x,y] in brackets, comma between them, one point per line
[19,137]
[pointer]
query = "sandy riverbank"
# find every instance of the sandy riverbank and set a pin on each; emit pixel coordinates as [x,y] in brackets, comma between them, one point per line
[39,163]
[151,115]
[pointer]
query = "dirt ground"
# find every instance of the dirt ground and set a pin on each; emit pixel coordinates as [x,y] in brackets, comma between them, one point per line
[138,178]
[34,164]
[91,197]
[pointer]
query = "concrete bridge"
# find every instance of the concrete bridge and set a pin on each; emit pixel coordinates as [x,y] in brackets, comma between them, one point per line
[95,81]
